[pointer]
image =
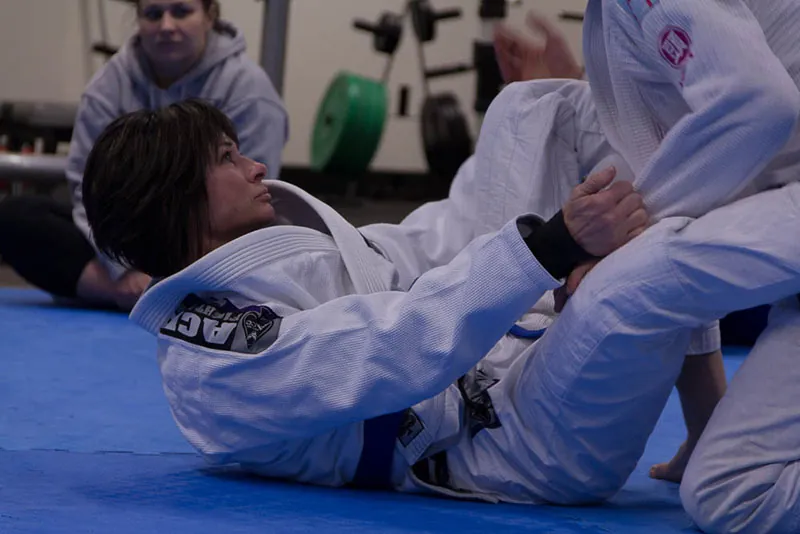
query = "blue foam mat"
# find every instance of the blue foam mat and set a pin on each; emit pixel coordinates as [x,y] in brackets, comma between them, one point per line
[70,492]
[78,380]
[87,445]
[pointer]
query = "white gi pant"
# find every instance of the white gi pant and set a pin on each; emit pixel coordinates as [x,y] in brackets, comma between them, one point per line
[578,406]
[744,475]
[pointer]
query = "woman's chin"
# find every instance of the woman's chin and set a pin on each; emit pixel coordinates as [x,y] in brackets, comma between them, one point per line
[267,215]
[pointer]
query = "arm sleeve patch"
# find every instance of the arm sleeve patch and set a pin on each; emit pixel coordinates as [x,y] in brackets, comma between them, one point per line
[218,324]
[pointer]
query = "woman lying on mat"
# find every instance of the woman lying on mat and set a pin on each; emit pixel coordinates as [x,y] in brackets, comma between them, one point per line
[298,347]
[182,49]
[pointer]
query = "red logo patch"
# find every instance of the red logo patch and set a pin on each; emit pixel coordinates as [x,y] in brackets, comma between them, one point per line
[675,46]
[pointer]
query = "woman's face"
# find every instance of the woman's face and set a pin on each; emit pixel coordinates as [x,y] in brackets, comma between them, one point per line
[238,201]
[173,33]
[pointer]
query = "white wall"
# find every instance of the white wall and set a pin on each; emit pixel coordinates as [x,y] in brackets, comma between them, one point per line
[46,58]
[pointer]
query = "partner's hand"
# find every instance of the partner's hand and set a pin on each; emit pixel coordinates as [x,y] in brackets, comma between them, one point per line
[602,217]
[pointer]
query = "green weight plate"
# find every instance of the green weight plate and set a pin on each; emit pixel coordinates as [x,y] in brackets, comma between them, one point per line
[349,124]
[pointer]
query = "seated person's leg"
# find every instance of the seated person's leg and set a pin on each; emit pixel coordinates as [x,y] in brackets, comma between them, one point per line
[744,475]
[537,140]
[42,244]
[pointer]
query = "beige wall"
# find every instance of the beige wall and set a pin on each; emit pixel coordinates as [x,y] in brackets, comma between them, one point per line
[45,56]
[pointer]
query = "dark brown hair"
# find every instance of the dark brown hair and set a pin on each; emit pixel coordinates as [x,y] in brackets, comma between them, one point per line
[144,185]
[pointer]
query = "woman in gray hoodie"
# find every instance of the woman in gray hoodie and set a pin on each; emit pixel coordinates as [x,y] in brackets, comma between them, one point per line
[182,49]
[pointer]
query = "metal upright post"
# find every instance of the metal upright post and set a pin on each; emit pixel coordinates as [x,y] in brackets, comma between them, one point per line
[274,32]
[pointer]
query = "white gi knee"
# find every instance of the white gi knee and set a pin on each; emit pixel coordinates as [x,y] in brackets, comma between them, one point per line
[744,475]
[727,501]
[703,499]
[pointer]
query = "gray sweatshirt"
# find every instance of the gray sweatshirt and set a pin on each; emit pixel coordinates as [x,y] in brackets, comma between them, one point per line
[225,76]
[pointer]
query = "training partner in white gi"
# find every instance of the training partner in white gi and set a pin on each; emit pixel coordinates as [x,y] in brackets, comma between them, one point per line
[701,98]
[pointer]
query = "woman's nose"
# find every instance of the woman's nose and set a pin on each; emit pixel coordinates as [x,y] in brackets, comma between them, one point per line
[167,23]
[258,171]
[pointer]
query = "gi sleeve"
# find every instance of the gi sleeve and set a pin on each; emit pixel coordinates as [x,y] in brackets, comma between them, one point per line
[434,233]
[743,105]
[506,177]
[354,357]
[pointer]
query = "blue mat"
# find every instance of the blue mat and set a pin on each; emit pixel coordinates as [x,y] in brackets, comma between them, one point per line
[87,444]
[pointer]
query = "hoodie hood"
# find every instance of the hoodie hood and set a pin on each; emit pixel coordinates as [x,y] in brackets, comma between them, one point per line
[224,76]
[224,42]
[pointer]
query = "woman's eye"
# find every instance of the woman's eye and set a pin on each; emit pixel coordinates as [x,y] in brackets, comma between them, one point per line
[153,14]
[228,156]
[180,11]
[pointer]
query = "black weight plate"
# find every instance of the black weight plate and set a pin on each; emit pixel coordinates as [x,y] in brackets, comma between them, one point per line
[445,135]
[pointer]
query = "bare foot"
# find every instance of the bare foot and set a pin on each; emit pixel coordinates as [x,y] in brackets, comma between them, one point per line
[672,471]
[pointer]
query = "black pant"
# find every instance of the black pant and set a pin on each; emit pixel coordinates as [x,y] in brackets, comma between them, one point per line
[743,327]
[39,240]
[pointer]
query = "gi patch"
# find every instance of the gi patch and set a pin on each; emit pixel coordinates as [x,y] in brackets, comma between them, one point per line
[218,324]
[638,8]
[480,411]
[675,46]
[411,428]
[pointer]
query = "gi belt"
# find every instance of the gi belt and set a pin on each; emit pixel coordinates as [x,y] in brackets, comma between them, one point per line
[374,469]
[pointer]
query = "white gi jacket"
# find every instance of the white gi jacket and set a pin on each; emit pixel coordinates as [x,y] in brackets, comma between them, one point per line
[291,404]
[700,98]
[274,348]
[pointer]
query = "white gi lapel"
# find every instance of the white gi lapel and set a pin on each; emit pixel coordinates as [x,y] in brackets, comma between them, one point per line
[625,118]
[359,258]
[217,270]
[526,155]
